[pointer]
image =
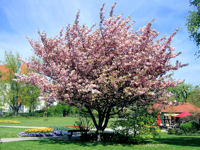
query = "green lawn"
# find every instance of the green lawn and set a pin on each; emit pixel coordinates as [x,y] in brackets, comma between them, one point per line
[9,132]
[167,142]
[40,121]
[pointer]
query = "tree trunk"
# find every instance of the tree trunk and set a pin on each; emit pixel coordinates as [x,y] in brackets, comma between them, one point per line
[16,112]
[103,118]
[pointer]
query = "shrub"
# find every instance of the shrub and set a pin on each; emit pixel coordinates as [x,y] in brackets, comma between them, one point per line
[189,127]
[171,131]
[74,110]
[38,113]
[137,123]
[60,110]
[149,132]
[179,132]
[198,132]
[84,122]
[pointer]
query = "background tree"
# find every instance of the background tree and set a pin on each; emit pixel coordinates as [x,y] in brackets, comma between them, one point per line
[31,94]
[186,93]
[102,68]
[13,93]
[12,90]
[193,23]
[194,97]
[181,92]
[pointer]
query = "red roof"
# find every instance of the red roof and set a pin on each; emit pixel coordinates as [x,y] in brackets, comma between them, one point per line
[24,68]
[185,107]
[5,70]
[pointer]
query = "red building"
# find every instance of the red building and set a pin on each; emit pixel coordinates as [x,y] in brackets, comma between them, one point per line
[168,111]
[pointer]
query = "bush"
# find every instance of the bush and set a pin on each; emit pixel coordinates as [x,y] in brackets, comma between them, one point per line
[60,110]
[149,132]
[136,124]
[74,110]
[179,132]
[39,113]
[171,131]
[198,132]
[189,127]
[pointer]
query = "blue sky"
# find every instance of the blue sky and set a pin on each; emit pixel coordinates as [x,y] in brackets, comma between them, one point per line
[21,18]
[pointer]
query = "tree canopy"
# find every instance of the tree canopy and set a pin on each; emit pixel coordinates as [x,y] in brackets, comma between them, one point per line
[100,68]
[181,92]
[193,23]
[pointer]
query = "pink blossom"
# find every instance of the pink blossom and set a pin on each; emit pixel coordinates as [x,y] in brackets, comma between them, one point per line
[111,60]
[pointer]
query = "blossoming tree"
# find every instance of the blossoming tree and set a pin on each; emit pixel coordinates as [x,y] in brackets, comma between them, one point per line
[104,68]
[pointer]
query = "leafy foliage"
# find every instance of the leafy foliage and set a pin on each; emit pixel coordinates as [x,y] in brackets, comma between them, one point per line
[16,94]
[171,131]
[61,110]
[137,123]
[194,97]
[31,94]
[181,92]
[84,122]
[193,22]
[189,127]
[186,93]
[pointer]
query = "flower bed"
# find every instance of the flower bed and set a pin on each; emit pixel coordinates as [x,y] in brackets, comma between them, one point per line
[42,132]
[72,127]
[8,121]
[39,130]
[76,127]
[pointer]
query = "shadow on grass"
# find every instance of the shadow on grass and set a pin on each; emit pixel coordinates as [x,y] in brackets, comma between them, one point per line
[170,140]
[80,143]
[180,140]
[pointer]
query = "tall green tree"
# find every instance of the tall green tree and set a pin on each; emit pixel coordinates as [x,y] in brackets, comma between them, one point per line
[31,94]
[194,97]
[186,93]
[181,92]
[13,93]
[193,23]
[11,90]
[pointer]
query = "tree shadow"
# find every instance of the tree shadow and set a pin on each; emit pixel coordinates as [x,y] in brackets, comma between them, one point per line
[180,140]
[79,142]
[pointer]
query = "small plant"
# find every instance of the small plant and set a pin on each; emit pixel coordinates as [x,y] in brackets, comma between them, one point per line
[179,132]
[171,131]
[84,122]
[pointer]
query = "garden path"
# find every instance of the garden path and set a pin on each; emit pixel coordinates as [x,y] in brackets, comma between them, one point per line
[2,140]
[24,127]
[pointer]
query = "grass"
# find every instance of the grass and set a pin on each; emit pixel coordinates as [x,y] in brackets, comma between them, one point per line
[40,121]
[9,132]
[166,142]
